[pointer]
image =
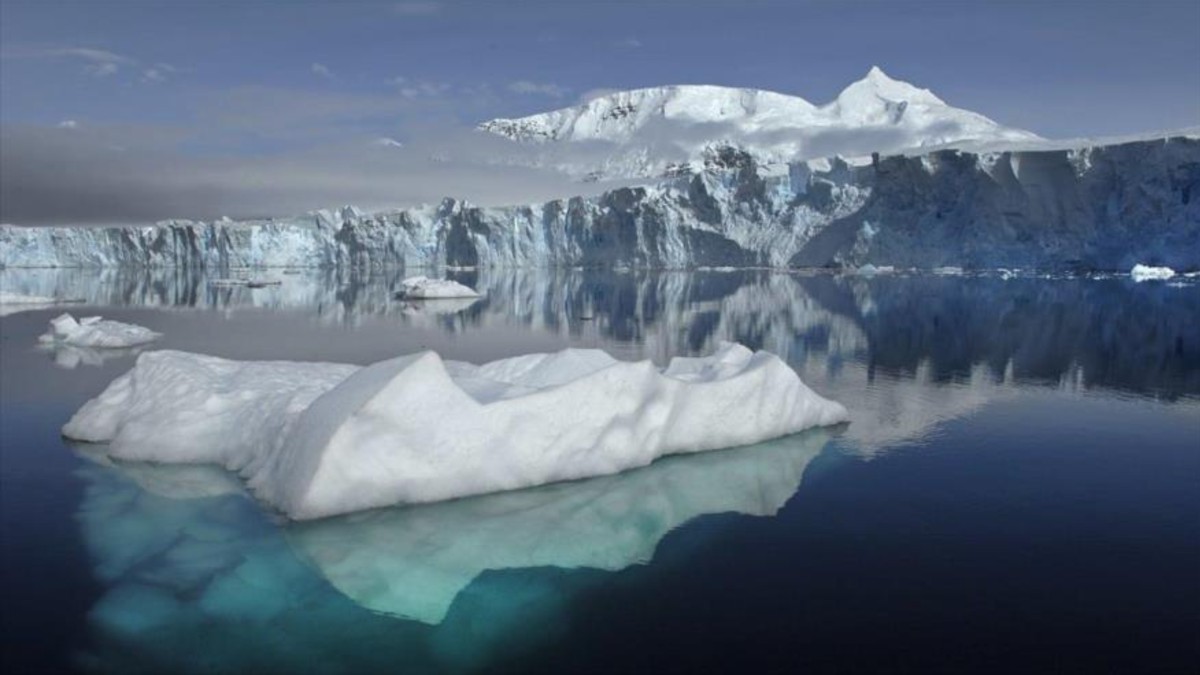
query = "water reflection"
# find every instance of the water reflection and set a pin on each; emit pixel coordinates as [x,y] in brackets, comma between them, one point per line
[413,562]
[182,549]
[70,357]
[1109,333]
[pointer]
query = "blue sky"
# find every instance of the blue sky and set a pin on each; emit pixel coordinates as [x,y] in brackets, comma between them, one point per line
[1061,68]
[258,78]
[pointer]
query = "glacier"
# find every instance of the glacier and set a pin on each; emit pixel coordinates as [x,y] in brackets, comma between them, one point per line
[1091,207]
[315,440]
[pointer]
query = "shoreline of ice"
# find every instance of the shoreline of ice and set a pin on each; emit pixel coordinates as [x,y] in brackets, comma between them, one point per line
[318,439]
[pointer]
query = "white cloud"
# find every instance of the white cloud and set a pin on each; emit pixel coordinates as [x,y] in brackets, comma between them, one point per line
[629,43]
[593,94]
[159,72]
[321,70]
[416,8]
[98,63]
[68,124]
[538,88]
[416,89]
[101,69]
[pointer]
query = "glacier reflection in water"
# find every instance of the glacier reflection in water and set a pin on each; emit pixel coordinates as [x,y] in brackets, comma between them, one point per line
[182,551]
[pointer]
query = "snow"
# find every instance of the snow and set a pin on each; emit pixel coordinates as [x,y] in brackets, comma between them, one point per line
[424,288]
[1149,273]
[647,130]
[315,440]
[94,331]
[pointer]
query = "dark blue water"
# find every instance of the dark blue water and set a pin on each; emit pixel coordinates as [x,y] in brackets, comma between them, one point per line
[1018,490]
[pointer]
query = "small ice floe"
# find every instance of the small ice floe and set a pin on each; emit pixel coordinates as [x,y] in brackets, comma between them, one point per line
[11,303]
[93,331]
[870,270]
[424,288]
[319,439]
[1150,273]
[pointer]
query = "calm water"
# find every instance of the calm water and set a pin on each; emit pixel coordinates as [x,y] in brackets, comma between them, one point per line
[1019,489]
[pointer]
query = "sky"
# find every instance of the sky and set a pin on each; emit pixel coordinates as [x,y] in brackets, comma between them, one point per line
[131,110]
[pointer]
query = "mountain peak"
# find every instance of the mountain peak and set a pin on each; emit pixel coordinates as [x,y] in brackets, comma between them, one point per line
[877,88]
[876,74]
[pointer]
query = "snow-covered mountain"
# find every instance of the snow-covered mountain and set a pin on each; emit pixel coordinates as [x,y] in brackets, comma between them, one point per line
[649,132]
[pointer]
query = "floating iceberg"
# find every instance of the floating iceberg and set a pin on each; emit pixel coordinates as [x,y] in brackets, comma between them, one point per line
[315,440]
[93,331]
[1149,273]
[424,288]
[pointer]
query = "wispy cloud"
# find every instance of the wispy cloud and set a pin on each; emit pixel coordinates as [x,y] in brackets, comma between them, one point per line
[416,8]
[99,63]
[322,70]
[68,124]
[538,88]
[158,72]
[628,43]
[593,94]
[419,89]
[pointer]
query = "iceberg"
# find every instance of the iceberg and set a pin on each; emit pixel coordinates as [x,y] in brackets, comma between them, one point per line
[1147,273]
[94,331]
[424,288]
[316,440]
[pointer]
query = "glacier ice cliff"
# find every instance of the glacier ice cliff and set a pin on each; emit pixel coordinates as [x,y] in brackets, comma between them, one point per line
[1104,207]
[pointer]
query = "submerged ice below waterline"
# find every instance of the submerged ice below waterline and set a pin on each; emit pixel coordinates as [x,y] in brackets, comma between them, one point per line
[179,547]
[315,440]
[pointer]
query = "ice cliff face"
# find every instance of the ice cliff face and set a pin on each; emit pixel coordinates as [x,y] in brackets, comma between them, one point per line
[649,132]
[1102,207]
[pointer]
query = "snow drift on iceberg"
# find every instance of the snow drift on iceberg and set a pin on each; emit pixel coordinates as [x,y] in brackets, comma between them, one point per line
[315,440]
[94,331]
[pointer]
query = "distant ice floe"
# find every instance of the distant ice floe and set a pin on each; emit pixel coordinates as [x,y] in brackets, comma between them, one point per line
[94,331]
[316,439]
[1149,273]
[11,303]
[424,288]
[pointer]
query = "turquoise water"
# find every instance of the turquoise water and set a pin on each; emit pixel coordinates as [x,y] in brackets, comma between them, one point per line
[1019,488]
